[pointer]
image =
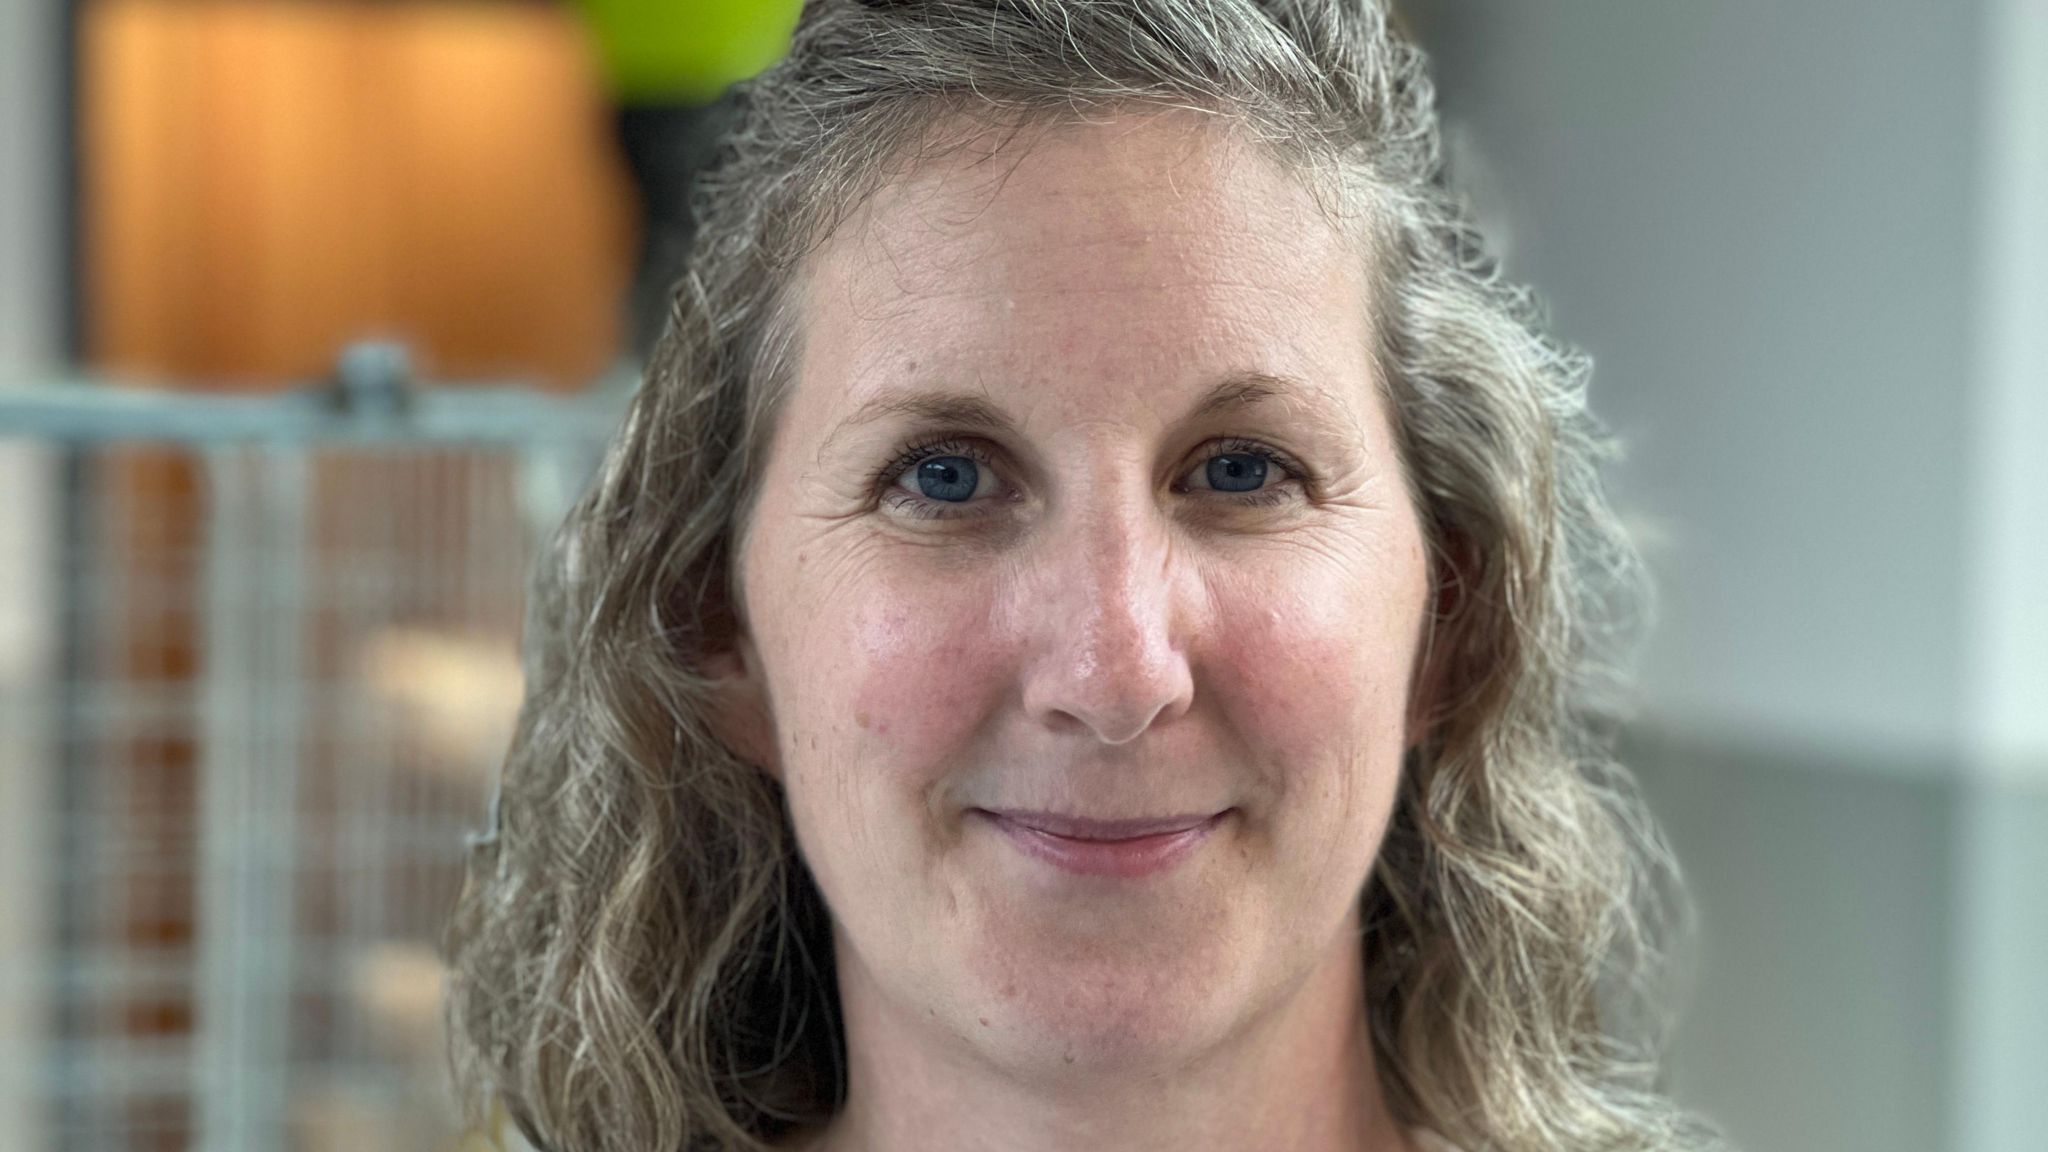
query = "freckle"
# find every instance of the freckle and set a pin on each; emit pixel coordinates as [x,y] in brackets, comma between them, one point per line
[984,1021]
[1069,1057]
[860,718]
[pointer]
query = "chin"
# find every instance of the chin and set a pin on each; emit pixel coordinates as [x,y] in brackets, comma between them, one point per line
[1066,1014]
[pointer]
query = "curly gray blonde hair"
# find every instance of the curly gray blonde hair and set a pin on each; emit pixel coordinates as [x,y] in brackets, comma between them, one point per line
[640,960]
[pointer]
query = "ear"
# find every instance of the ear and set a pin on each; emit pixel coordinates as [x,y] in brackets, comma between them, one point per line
[740,714]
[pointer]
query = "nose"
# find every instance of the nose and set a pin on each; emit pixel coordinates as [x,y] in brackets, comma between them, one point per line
[1107,623]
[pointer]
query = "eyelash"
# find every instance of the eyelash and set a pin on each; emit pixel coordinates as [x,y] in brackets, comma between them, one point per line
[922,508]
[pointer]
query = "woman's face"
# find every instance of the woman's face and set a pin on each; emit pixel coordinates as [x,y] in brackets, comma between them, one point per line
[1084,502]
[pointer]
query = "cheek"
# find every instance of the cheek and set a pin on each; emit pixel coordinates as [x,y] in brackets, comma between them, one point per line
[893,684]
[910,673]
[1317,667]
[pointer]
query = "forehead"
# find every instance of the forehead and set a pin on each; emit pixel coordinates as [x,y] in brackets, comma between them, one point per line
[1086,264]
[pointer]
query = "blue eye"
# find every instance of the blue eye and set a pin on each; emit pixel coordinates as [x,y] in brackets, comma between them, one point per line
[949,479]
[1233,468]
[948,472]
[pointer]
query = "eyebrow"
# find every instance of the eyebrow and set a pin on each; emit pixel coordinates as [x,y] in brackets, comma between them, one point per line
[975,412]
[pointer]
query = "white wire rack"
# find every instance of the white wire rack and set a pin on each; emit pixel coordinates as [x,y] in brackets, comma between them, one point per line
[258,662]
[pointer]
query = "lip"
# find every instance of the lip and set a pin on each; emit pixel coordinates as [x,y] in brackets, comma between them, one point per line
[1117,848]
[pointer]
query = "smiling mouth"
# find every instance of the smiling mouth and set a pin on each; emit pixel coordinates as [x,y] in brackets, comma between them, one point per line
[1124,849]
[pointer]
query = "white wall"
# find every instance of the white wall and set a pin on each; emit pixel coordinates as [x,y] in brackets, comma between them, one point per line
[2002,995]
[1756,216]
[2009,503]
[1807,245]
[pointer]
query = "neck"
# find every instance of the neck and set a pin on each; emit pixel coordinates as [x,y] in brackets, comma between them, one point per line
[1300,1076]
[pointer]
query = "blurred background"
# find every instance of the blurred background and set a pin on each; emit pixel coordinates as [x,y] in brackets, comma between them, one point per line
[314,313]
